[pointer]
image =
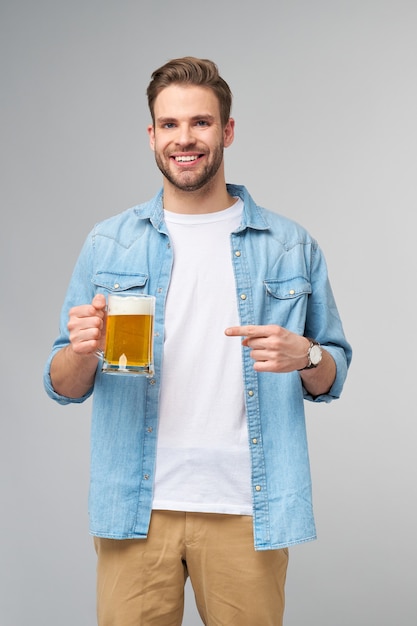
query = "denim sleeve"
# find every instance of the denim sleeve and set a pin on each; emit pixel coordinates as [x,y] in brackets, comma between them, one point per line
[80,291]
[323,323]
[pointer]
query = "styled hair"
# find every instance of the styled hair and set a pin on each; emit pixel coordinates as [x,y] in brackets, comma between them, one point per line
[191,71]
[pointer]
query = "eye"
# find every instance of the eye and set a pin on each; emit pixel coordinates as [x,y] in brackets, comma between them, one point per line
[202,123]
[168,125]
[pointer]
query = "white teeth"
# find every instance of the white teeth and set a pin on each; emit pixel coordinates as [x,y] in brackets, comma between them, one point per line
[186,158]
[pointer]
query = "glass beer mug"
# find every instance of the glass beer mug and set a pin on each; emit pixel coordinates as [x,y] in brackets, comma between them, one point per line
[129,334]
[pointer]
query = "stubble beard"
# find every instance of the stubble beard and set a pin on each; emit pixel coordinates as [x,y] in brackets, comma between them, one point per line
[188,181]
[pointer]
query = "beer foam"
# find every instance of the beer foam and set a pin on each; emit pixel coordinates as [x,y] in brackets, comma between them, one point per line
[130,305]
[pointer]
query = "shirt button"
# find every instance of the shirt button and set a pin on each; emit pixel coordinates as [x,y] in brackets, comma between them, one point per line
[258,488]
[292,292]
[146,476]
[149,429]
[116,285]
[251,393]
[254,440]
[243,296]
[237,253]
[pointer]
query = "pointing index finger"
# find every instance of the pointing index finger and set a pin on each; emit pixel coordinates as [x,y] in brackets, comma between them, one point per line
[244,331]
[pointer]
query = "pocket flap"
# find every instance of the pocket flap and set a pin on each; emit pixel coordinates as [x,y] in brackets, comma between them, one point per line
[118,281]
[286,289]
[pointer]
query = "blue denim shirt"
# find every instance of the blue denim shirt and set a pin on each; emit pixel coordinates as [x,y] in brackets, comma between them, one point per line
[281,278]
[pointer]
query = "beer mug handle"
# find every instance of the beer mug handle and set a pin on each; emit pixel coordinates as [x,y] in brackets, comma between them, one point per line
[100,353]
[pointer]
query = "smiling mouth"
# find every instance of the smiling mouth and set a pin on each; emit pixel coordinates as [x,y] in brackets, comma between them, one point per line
[187,158]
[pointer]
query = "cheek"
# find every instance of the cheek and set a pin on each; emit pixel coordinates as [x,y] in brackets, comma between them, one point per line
[158,145]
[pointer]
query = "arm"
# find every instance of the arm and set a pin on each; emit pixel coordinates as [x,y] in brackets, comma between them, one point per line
[276,349]
[319,380]
[73,368]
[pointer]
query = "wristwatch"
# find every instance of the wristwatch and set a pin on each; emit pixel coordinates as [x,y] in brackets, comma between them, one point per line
[314,355]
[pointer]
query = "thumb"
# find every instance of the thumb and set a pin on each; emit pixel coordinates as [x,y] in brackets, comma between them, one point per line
[99,301]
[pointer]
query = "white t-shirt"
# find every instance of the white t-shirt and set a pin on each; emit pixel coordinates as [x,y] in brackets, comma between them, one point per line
[203,461]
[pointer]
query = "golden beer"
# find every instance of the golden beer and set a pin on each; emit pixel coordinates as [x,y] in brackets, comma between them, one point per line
[129,334]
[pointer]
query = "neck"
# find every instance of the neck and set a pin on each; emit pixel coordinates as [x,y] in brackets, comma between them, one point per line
[211,198]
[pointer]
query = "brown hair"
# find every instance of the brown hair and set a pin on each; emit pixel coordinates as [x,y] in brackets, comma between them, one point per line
[191,71]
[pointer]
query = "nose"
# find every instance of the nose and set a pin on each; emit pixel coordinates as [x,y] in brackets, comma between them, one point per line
[185,135]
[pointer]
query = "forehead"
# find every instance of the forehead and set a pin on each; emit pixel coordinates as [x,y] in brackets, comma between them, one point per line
[186,101]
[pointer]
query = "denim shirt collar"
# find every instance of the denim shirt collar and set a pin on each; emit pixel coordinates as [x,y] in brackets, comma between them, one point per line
[252,215]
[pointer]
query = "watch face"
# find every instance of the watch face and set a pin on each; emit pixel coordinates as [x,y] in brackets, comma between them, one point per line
[315,355]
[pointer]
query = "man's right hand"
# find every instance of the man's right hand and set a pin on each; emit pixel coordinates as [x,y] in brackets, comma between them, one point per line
[86,326]
[74,367]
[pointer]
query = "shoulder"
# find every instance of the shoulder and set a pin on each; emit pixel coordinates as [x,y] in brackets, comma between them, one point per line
[131,223]
[270,222]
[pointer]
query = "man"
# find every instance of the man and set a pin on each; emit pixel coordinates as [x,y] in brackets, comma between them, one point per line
[201,470]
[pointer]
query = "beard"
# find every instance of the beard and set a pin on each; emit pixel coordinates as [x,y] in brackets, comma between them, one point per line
[189,180]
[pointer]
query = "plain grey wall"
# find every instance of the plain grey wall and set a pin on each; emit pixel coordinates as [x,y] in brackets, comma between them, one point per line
[326,133]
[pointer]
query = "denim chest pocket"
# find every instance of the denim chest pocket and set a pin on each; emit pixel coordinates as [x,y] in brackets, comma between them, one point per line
[116,282]
[286,302]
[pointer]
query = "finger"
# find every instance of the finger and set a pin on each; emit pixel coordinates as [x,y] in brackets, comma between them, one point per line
[99,302]
[247,331]
[255,343]
[239,331]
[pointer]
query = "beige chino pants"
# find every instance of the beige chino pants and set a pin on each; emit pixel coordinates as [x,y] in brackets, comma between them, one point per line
[140,582]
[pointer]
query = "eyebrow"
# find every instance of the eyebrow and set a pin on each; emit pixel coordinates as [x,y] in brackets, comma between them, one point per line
[195,118]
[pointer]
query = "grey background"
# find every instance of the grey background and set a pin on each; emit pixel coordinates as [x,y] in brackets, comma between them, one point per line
[326,133]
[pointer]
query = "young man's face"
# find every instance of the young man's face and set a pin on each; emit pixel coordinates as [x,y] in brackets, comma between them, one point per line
[188,138]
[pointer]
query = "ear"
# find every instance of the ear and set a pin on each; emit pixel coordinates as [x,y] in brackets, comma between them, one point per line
[151,133]
[229,132]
